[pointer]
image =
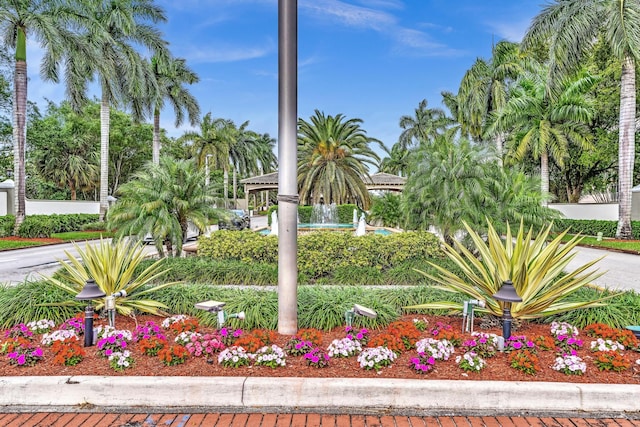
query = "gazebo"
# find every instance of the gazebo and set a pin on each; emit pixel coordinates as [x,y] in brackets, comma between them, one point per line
[379,182]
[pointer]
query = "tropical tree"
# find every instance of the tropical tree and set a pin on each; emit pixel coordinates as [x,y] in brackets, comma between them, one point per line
[117,28]
[162,201]
[212,145]
[397,162]
[484,88]
[332,158]
[446,179]
[427,124]
[64,150]
[170,76]
[48,22]
[545,123]
[571,28]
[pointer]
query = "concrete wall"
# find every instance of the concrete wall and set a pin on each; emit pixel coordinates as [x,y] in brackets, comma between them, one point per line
[603,211]
[47,207]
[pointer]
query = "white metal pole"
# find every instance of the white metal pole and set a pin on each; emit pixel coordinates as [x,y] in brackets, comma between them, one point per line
[287,168]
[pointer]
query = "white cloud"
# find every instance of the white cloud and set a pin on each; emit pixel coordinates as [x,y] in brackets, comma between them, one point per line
[355,16]
[512,30]
[222,53]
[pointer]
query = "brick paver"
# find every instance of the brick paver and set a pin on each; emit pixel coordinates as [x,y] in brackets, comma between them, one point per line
[54,419]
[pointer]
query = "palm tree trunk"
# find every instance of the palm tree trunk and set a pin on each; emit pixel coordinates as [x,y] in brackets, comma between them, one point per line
[19,128]
[544,177]
[226,186]
[235,188]
[626,147]
[104,154]
[156,136]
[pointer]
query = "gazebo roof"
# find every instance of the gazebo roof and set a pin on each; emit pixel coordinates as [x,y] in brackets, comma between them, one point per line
[379,179]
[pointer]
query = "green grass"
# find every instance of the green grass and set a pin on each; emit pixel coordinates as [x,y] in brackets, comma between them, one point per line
[73,236]
[607,243]
[12,244]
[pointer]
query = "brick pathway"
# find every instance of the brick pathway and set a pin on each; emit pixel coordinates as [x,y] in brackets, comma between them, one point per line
[50,419]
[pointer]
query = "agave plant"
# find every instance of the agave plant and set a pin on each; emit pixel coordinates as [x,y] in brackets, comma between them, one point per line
[534,265]
[112,266]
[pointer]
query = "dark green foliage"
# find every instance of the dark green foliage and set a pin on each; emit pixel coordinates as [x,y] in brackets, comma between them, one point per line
[6,225]
[213,272]
[45,225]
[415,295]
[591,227]
[26,302]
[209,271]
[91,226]
[620,311]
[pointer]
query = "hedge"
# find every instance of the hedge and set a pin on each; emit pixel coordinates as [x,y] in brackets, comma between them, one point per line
[591,227]
[45,225]
[322,252]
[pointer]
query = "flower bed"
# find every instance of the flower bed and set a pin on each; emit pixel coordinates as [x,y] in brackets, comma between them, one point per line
[431,348]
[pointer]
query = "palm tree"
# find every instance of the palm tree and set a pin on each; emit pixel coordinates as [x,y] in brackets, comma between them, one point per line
[170,75]
[162,200]
[571,27]
[47,21]
[447,179]
[214,140]
[117,28]
[545,124]
[484,89]
[427,124]
[397,162]
[333,154]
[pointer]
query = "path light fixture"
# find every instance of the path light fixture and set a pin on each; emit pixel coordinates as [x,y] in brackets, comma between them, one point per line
[89,292]
[507,295]
[110,306]
[467,313]
[217,307]
[359,310]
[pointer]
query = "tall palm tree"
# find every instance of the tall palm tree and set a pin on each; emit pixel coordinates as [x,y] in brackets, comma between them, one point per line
[571,27]
[545,124]
[427,124]
[162,200]
[332,158]
[484,88]
[117,28]
[48,22]
[170,75]
[214,141]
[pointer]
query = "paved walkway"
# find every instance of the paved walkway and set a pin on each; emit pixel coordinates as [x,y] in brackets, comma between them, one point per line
[44,419]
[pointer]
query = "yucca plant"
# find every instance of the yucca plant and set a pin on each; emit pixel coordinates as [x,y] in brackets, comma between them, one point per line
[534,265]
[112,266]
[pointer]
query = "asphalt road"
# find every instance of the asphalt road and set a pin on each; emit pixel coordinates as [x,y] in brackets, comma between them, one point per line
[621,271]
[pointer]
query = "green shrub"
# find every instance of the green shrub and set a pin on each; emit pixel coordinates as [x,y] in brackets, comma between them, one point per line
[7,222]
[45,225]
[321,252]
[591,227]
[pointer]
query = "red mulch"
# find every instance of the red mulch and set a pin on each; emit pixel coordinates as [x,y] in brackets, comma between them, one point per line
[42,240]
[497,367]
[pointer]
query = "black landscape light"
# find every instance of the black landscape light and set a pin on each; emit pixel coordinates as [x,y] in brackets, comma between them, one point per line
[507,295]
[89,292]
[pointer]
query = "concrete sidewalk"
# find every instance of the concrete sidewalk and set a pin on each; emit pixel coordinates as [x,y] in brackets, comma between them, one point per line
[319,395]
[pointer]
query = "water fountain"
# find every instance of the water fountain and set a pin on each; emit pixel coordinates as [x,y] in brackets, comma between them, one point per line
[324,214]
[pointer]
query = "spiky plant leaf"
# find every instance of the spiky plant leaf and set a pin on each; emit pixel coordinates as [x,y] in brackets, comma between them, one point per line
[534,265]
[112,266]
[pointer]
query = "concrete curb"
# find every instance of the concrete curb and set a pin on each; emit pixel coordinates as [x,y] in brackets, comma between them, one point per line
[251,394]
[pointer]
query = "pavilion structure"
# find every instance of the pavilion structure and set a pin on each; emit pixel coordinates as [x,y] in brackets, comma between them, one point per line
[377,182]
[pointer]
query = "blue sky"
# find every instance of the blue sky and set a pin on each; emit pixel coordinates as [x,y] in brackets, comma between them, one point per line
[368,59]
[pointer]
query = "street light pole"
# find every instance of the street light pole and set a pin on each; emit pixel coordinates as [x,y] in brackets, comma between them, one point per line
[206,169]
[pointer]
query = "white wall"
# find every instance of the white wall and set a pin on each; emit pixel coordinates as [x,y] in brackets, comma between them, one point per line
[48,207]
[603,211]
